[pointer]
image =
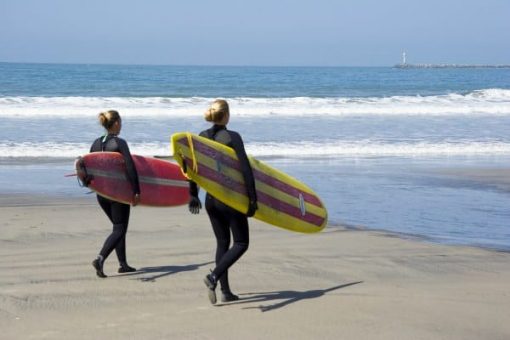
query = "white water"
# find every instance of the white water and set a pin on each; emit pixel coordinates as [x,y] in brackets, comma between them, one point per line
[288,150]
[480,102]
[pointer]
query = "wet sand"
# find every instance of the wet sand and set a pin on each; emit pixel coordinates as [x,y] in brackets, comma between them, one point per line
[497,178]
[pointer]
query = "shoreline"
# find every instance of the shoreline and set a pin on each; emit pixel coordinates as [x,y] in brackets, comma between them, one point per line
[422,238]
[354,283]
[26,200]
[497,178]
[53,187]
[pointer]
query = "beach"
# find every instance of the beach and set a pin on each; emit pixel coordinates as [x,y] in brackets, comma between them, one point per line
[410,159]
[414,175]
[340,283]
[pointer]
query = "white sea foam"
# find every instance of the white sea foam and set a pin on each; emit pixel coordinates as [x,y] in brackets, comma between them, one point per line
[279,150]
[71,150]
[480,102]
[370,148]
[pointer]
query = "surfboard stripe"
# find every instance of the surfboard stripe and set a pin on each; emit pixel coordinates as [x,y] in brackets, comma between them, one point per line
[269,180]
[141,179]
[260,186]
[290,190]
[264,213]
[107,174]
[290,209]
[262,197]
[163,181]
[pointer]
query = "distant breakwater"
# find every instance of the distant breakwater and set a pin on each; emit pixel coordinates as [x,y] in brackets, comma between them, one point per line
[412,66]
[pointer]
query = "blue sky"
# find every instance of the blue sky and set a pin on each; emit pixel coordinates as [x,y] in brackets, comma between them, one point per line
[261,32]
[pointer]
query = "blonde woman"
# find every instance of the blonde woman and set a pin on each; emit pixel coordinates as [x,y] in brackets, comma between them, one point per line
[224,219]
[117,212]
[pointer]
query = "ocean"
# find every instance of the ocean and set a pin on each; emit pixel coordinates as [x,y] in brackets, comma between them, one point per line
[374,143]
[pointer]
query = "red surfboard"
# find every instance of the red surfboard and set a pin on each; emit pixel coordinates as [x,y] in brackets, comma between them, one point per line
[162,183]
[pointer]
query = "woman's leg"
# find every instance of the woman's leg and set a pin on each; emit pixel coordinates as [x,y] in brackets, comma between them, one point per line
[119,216]
[222,233]
[236,222]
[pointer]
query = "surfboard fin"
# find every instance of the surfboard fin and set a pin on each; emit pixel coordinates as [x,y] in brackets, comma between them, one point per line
[164,156]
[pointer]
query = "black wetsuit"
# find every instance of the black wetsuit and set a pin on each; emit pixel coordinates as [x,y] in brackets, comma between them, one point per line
[117,212]
[223,218]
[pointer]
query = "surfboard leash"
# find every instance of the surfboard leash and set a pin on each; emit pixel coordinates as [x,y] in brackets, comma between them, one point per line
[192,149]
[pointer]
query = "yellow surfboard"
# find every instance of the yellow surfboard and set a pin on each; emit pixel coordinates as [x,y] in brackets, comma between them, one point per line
[283,201]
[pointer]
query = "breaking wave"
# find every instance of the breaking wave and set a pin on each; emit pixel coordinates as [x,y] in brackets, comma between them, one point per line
[479,102]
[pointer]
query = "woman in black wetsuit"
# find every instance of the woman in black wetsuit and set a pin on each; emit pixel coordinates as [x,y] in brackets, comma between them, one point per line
[223,218]
[117,212]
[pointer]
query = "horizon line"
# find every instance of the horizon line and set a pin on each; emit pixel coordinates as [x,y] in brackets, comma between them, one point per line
[398,65]
[181,65]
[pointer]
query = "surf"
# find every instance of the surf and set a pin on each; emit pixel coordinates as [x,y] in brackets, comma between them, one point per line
[288,150]
[491,101]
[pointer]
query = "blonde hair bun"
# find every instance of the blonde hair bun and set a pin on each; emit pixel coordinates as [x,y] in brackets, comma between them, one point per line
[108,118]
[208,115]
[217,111]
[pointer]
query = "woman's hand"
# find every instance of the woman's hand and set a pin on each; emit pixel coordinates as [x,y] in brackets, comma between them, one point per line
[136,200]
[252,207]
[194,205]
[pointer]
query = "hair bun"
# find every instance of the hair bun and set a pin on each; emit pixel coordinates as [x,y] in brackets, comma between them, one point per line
[108,118]
[208,115]
[103,120]
[217,111]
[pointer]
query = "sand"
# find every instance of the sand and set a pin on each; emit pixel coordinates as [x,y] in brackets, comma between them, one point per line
[338,284]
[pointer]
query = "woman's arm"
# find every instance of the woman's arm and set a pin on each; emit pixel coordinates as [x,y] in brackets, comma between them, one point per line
[194,204]
[132,174]
[247,172]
